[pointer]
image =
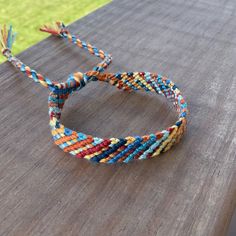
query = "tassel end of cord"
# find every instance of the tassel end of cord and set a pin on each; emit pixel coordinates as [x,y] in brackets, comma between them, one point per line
[56,28]
[7,38]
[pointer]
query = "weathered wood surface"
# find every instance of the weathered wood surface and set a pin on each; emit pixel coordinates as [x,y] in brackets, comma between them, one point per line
[190,190]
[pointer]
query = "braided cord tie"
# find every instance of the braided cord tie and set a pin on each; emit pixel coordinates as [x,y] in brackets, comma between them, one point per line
[95,149]
[75,80]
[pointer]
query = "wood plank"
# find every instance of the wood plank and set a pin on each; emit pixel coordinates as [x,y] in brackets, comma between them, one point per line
[189,190]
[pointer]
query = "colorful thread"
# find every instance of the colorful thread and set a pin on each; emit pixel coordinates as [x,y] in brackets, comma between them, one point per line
[107,150]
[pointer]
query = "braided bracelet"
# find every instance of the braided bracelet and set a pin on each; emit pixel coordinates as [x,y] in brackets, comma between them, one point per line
[102,150]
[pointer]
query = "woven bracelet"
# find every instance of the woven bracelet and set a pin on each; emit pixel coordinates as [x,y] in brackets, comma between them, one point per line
[102,150]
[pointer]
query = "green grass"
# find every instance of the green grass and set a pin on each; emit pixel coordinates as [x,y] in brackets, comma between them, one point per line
[27,16]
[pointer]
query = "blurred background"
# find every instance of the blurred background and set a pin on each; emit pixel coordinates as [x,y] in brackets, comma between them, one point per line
[27,16]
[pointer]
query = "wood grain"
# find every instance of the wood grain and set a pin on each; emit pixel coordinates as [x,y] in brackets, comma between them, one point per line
[189,190]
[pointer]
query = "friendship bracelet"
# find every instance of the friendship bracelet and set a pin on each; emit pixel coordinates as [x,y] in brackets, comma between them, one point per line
[95,149]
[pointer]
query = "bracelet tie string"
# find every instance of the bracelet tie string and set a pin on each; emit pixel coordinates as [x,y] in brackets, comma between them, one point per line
[76,80]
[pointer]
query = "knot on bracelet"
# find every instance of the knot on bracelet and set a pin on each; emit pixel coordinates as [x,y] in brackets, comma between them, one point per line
[6,52]
[76,81]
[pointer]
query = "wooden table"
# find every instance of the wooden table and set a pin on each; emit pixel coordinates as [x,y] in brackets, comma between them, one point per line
[190,190]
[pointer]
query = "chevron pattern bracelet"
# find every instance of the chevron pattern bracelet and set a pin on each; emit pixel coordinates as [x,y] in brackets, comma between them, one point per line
[95,149]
